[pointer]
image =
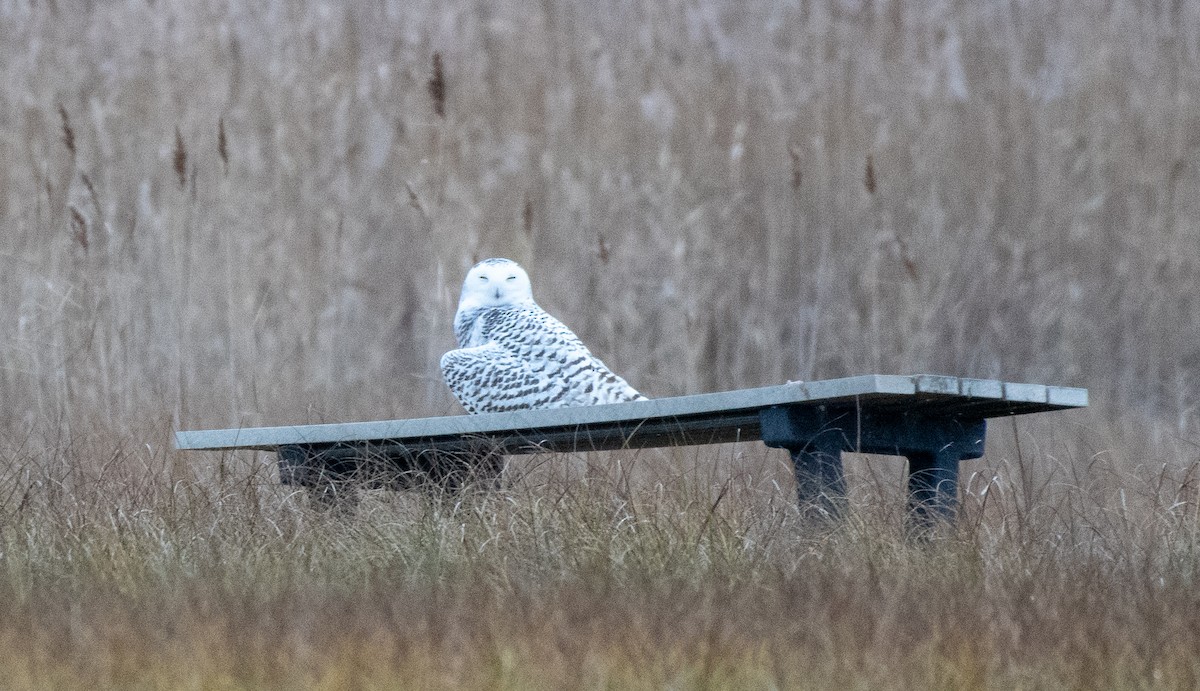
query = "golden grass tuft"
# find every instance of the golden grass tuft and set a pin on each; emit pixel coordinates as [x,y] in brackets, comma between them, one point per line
[68,134]
[222,145]
[179,159]
[437,87]
[79,228]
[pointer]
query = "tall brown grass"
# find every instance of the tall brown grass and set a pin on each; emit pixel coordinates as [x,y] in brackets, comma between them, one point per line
[217,215]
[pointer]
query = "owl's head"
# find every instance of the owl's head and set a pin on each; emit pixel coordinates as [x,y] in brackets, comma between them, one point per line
[496,283]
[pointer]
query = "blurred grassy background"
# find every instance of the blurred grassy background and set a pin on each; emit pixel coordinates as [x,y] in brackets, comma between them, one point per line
[259,217]
[222,213]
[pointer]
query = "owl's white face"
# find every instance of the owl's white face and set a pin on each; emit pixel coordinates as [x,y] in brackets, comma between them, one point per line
[495,283]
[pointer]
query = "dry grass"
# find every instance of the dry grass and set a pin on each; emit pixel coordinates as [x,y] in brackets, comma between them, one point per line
[217,215]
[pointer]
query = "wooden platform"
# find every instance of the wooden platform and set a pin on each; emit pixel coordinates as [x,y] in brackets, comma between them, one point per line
[700,419]
[935,421]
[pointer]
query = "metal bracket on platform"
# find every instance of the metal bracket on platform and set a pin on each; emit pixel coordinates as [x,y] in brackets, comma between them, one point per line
[816,436]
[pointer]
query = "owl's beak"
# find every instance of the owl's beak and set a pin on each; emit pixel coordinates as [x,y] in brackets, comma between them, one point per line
[497,293]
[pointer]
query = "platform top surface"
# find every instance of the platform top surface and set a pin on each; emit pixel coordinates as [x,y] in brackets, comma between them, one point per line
[931,394]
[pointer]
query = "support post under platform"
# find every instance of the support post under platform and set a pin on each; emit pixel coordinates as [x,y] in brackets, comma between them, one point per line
[816,436]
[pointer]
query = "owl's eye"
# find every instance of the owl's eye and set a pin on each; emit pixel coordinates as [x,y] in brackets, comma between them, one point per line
[483,279]
[512,278]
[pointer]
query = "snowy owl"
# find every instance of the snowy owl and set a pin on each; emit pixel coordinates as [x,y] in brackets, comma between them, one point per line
[513,355]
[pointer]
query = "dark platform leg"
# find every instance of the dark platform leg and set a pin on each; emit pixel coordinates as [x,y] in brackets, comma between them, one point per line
[458,471]
[816,449]
[820,480]
[328,484]
[334,496]
[933,484]
[816,436]
[334,476]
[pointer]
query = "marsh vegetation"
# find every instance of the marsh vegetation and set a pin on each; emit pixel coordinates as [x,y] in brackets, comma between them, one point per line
[216,214]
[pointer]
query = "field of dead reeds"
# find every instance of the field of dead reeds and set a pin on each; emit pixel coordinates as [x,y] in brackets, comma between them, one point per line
[216,214]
